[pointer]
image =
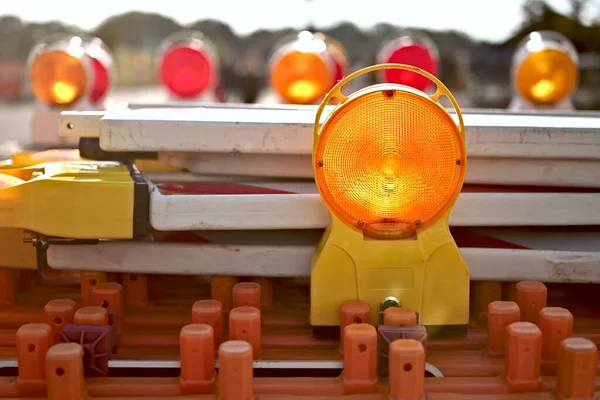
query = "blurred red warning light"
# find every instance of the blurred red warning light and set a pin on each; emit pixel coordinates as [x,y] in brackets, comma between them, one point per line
[419,52]
[188,66]
[102,65]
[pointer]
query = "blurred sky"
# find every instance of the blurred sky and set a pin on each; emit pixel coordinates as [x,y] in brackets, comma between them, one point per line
[492,20]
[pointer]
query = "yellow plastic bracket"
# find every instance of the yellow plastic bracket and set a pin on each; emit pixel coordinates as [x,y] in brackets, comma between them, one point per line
[70,199]
[425,273]
[31,158]
[336,93]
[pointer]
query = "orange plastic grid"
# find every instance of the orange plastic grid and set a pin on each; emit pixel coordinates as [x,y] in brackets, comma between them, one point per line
[527,347]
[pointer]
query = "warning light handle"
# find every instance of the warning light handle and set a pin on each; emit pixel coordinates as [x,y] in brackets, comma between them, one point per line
[336,92]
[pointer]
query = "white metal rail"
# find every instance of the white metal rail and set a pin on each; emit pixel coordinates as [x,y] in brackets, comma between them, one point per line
[287,130]
[504,148]
[293,260]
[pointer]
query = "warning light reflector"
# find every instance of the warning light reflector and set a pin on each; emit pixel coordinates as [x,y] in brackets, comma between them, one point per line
[545,68]
[102,62]
[338,54]
[302,70]
[411,49]
[59,70]
[187,64]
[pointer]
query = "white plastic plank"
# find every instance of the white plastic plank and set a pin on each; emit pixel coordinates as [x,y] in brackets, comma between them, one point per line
[294,261]
[288,130]
[302,208]
[480,170]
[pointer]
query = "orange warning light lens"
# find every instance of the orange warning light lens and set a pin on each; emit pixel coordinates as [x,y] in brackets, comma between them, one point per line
[303,72]
[389,162]
[58,78]
[545,68]
[547,76]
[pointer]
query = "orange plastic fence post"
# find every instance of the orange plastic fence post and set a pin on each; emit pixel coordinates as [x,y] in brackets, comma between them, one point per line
[246,294]
[245,324]
[197,354]
[531,298]
[33,341]
[221,289]
[353,312]
[500,315]
[109,295]
[58,313]
[89,280]
[135,287]
[360,359]
[557,325]
[399,316]
[236,380]
[523,357]
[407,370]
[91,315]
[64,372]
[209,312]
[577,361]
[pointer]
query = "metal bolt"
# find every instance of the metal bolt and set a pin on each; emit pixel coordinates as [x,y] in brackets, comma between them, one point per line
[388,302]
[360,223]
[417,223]
[458,162]
[37,241]
[70,125]
[108,165]
[389,93]
[320,163]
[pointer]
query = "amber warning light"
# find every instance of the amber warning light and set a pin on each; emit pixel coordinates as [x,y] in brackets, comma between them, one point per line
[387,181]
[65,70]
[545,68]
[187,65]
[302,70]
[389,163]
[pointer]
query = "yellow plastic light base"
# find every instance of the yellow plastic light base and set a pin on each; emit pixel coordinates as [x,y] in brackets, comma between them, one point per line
[31,158]
[424,271]
[78,200]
